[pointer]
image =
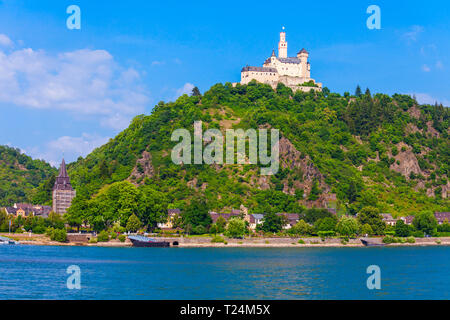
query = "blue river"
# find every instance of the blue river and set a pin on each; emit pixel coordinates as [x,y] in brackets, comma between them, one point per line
[40,272]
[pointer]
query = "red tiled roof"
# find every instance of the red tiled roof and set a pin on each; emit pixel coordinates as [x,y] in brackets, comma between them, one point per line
[442,216]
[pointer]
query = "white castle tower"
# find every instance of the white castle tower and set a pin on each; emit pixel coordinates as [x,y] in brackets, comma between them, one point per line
[282,45]
[294,72]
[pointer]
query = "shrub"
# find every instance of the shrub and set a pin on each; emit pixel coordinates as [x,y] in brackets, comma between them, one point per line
[113,235]
[326,234]
[39,229]
[443,234]
[118,228]
[122,238]
[49,231]
[411,240]
[199,230]
[417,234]
[59,235]
[217,239]
[389,239]
[301,241]
[93,240]
[103,236]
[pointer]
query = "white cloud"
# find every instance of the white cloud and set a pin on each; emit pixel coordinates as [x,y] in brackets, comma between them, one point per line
[426,68]
[439,65]
[85,82]
[186,89]
[158,63]
[5,41]
[425,98]
[69,147]
[413,33]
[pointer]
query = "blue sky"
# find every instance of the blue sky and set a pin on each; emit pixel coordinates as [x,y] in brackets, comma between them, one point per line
[67,91]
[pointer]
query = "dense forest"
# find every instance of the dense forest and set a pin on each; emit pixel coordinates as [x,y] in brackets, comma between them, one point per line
[381,151]
[377,151]
[20,177]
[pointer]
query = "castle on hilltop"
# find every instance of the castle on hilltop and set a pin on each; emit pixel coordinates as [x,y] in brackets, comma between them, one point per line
[294,72]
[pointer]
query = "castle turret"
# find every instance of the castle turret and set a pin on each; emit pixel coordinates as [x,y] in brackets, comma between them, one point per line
[302,55]
[282,45]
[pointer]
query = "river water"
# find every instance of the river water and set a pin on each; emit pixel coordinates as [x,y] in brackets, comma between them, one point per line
[40,272]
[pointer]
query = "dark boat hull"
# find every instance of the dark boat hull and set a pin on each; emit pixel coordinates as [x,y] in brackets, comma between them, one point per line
[154,244]
[371,244]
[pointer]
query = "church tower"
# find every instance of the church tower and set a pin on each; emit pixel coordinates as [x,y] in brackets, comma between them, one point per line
[282,45]
[63,193]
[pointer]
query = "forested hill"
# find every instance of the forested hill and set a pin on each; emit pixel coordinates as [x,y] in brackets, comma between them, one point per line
[376,150]
[20,176]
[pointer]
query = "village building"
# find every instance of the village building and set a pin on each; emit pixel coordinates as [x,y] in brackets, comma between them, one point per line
[63,193]
[293,72]
[408,220]
[172,214]
[291,219]
[233,214]
[255,220]
[28,210]
[388,219]
[441,217]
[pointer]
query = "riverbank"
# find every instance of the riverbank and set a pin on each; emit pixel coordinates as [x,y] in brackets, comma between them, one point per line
[199,242]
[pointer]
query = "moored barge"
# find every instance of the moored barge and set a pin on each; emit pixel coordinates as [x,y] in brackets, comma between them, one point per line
[141,241]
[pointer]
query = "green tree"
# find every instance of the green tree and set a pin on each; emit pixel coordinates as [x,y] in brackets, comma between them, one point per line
[402,229]
[325,224]
[197,214]
[56,220]
[236,228]
[366,229]
[302,228]
[196,92]
[213,229]
[272,223]
[347,226]
[153,207]
[315,191]
[426,222]
[221,224]
[78,212]
[44,191]
[133,224]
[358,91]
[59,235]
[372,217]
[314,214]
